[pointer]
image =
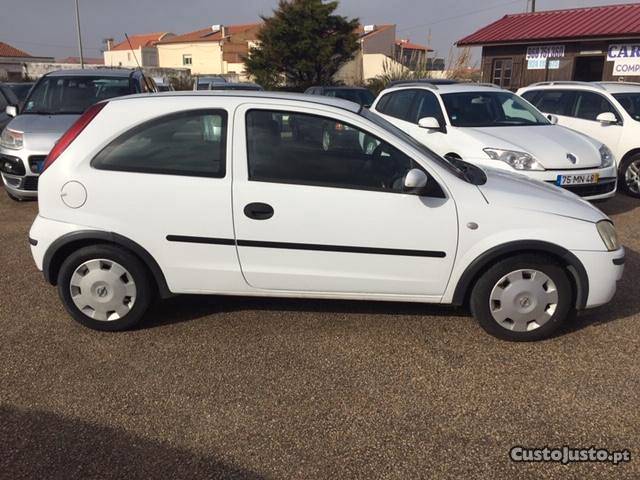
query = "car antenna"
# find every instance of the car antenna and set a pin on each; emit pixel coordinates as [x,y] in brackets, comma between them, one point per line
[137,63]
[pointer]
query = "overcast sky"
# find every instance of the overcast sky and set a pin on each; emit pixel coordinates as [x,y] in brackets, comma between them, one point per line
[47,27]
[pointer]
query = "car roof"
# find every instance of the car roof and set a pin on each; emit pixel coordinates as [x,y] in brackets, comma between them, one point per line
[338,87]
[448,87]
[611,87]
[92,72]
[299,97]
[432,81]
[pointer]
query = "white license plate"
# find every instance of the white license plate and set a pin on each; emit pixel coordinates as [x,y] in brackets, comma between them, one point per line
[580,179]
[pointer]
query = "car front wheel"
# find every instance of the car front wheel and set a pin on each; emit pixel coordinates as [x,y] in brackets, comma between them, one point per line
[105,287]
[523,298]
[629,179]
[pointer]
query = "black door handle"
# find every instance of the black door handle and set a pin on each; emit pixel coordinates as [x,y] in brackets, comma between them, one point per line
[258,211]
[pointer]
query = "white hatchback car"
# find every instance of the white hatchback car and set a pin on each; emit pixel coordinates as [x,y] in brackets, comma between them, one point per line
[606,111]
[212,193]
[491,127]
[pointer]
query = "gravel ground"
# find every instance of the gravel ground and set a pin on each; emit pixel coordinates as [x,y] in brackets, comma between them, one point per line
[268,388]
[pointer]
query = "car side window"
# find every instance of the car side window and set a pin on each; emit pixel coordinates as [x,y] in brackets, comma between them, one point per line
[589,105]
[425,104]
[398,104]
[189,143]
[297,148]
[3,102]
[557,102]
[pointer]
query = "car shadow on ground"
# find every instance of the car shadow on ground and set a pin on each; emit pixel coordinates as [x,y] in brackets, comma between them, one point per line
[621,203]
[184,308]
[40,444]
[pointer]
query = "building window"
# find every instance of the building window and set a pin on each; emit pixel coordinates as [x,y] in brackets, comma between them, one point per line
[502,70]
[186,60]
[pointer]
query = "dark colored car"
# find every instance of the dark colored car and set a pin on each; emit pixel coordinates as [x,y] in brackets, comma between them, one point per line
[21,90]
[7,97]
[359,95]
[236,86]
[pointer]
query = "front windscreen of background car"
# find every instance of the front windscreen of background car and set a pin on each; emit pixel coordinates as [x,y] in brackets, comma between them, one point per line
[20,90]
[490,109]
[390,127]
[73,95]
[630,102]
[361,97]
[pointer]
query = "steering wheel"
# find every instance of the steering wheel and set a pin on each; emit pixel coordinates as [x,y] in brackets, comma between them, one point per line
[375,165]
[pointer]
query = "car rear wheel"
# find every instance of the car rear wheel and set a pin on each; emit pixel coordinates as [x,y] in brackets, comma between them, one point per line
[105,287]
[629,179]
[523,298]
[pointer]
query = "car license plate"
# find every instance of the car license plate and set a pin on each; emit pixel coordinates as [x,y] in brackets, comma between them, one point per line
[579,179]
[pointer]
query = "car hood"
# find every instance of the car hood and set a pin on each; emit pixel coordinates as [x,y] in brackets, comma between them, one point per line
[549,144]
[42,131]
[517,191]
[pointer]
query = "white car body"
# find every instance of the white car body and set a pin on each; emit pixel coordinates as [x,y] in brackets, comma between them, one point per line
[322,242]
[552,146]
[621,134]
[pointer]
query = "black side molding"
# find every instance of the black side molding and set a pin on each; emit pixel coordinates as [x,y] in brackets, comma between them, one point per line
[307,246]
[481,263]
[51,263]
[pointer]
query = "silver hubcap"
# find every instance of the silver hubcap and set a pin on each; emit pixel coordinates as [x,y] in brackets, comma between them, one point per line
[632,176]
[102,289]
[523,300]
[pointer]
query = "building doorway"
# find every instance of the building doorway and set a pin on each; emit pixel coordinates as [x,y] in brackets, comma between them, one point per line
[588,69]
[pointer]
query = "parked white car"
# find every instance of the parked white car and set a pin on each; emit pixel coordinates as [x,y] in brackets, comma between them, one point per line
[210,193]
[606,111]
[491,127]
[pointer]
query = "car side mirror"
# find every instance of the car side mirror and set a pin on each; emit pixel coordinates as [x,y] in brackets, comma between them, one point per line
[430,123]
[607,118]
[415,180]
[553,119]
[11,110]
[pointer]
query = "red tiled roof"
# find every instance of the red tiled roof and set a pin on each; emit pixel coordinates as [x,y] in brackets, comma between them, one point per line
[379,28]
[7,50]
[87,61]
[593,22]
[406,44]
[141,40]
[207,35]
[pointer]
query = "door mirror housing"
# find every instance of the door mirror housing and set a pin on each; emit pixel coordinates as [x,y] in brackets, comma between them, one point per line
[415,180]
[11,110]
[430,123]
[607,118]
[553,119]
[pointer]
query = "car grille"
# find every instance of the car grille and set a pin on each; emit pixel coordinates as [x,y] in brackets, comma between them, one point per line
[30,183]
[34,161]
[590,190]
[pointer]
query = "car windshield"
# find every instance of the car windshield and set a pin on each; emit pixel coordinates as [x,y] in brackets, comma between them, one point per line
[20,89]
[630,102]
[490,109]
[73,95]
[381,122]
[361,97]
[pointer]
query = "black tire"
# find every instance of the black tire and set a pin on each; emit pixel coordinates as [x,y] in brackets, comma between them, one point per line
[145,291]
[480,301]
[622,172]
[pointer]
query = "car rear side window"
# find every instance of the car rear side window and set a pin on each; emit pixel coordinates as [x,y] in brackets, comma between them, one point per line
[191,143]
[296,148]
[398,104]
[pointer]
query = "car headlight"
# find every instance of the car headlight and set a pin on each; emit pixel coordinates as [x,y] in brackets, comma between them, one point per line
[11,139]
[518,160]
[606,157]
[608,234]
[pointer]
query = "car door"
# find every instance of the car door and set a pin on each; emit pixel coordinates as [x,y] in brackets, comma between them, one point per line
[312,218]
[587,107]
[406,107]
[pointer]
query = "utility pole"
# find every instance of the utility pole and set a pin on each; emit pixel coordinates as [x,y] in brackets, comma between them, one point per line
[533,6]
[79,35]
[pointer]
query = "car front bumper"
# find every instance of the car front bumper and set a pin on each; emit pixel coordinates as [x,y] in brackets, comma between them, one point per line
[20,185]
[604,270]
[605,188]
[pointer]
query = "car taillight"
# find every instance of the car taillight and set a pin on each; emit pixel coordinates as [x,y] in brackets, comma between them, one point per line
[71,134]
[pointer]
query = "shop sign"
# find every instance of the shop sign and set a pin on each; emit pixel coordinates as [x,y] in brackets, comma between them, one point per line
[537,57]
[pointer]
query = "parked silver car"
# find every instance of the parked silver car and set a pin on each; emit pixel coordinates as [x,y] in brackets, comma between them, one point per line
[54,103]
